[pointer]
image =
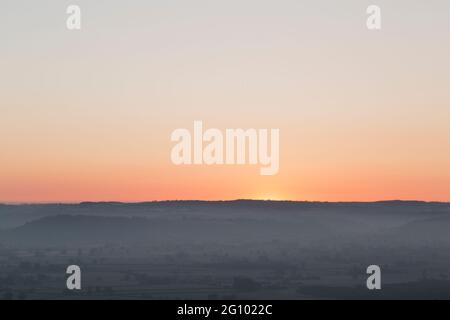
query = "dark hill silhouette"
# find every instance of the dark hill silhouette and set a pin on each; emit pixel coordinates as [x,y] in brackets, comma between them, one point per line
[224,221]
[16,215]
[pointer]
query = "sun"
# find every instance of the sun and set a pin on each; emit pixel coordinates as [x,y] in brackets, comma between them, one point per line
[270,196]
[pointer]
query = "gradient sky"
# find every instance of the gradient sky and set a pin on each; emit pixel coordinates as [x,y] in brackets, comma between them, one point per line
[87,115]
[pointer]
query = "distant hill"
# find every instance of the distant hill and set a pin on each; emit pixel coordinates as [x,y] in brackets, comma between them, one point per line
[223,221]
[16,215]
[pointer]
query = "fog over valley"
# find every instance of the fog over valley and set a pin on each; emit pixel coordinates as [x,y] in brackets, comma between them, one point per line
[236,249]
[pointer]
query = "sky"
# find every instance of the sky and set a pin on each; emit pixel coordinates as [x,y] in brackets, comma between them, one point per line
[87,115]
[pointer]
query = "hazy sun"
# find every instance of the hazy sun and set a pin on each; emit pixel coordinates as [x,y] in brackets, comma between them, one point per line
[270,196]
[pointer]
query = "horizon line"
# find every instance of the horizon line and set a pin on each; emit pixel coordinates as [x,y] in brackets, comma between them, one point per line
[199,200]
